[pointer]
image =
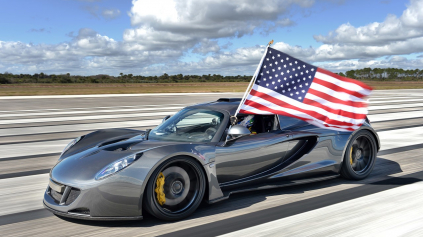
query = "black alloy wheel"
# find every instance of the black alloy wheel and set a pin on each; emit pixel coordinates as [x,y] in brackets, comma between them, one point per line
[360,156]
[175,189]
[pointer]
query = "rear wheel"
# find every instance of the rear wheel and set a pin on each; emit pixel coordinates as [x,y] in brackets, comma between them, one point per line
[360,156]
[175,189]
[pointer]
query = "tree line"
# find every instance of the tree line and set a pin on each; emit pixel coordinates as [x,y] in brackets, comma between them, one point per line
[365,74]
[9,78]
[384,74]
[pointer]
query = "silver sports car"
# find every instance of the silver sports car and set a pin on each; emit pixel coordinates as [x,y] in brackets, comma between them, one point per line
[195,155]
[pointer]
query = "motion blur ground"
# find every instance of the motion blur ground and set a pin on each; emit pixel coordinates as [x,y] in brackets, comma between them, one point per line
[34,131]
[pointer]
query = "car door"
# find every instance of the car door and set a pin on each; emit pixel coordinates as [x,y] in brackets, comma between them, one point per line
[250,155]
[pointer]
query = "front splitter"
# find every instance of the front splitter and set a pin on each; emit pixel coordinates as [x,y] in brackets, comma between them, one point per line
[94,218]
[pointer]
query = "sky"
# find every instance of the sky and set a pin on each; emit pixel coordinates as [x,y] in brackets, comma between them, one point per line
[144,37]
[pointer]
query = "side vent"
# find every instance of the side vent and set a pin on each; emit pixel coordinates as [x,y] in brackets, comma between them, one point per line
[300,149]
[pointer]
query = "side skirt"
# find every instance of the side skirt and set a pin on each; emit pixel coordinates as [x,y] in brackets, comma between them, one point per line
[270,186]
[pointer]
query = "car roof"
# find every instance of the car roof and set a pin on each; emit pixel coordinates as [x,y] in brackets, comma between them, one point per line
[227,104]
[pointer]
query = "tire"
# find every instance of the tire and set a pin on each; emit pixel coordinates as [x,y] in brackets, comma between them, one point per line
[360,156]
[184,188]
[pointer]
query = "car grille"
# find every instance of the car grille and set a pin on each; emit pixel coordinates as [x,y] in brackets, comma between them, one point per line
[67,195]
[74,193]
[55,195]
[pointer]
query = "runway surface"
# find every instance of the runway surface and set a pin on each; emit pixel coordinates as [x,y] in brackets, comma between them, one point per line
[34,130]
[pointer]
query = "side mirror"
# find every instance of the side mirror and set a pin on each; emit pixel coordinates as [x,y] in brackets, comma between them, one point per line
[166,118]
[236,132]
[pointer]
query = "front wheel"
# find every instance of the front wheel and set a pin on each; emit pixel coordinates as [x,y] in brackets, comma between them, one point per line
[175,189]
[360,156]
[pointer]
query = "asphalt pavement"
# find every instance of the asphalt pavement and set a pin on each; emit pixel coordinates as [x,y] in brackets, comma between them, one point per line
[34,130]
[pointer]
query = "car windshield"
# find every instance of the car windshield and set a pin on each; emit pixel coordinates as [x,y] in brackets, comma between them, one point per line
[189,125]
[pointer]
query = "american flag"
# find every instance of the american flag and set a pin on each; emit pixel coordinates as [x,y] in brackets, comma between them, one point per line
[288,86]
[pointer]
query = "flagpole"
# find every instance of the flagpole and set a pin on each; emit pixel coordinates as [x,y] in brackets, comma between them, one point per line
[252,79]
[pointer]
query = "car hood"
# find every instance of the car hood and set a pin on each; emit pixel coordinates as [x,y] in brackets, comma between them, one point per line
[83,166]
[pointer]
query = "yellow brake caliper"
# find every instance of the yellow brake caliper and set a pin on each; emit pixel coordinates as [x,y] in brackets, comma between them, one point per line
[161,199]
[351,159]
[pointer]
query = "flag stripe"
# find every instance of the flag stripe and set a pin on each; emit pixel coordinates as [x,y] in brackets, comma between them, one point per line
[336,100]
[311,109]
[339,95]
[343,81]
[310,98]
[337,88]
[334,111]
[325,116]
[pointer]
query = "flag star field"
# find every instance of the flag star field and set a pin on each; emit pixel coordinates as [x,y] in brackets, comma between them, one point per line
[286,75]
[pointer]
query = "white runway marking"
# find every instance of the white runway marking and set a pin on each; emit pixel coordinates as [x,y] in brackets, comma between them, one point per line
[6,113]
[394,116]
[107,95]
[22,193]
[33,148]
[79,118]
[393,101]
[76,127]
[395,212]
[395,106]
[117,111]
[89,109]
[401,137]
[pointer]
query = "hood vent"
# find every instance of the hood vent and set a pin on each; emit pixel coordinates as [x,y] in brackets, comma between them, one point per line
[121,146]
[229,100]
[113,141]
[90,154]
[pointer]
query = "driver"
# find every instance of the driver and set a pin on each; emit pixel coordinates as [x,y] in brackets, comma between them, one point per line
[248,122]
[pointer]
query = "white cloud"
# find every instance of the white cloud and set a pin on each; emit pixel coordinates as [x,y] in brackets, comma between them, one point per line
[96,11]
[40,30]
[206,46]
[184,23]
[164,31]
[110,13]
[408,25]
[88,52]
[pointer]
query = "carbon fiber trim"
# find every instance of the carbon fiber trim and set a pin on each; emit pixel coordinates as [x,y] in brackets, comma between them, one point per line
[88,217]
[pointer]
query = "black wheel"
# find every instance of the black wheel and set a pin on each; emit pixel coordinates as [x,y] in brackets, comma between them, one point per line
[175,189]
[360,156]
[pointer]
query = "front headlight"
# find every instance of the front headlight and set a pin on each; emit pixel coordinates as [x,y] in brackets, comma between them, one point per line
[73,142]
[116,166]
